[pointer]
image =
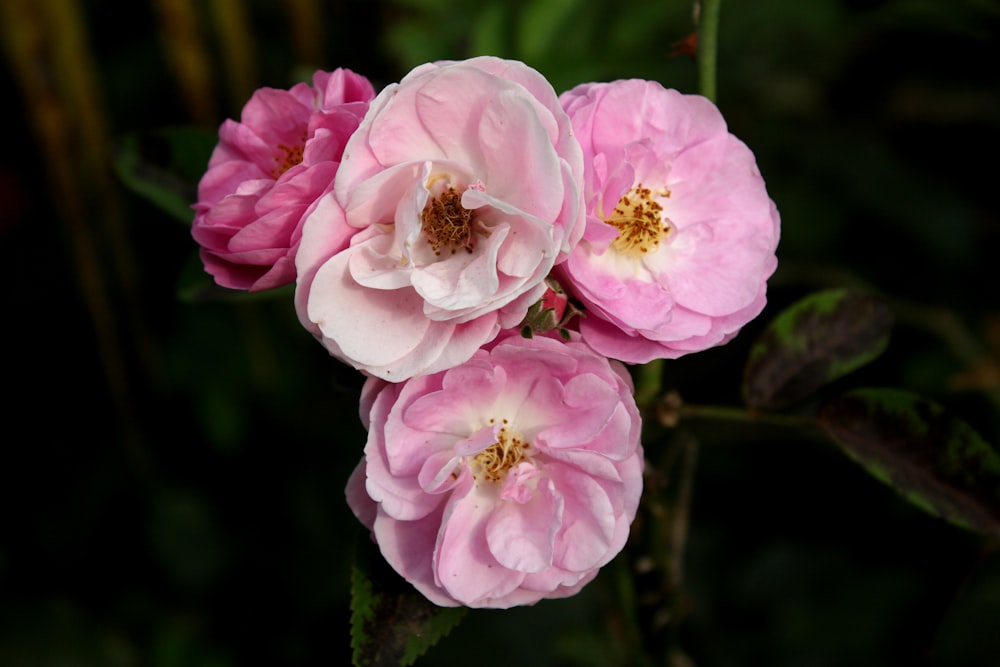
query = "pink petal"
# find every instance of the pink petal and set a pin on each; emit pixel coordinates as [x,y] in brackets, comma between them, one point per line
[408,546]
[464,566]
[521,535]
[364,508]
[370,326]
[589,524]
[464,280]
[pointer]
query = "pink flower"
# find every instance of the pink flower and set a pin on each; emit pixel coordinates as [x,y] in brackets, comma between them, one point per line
[463,181]
[266,174]
[510,478]
[681,234]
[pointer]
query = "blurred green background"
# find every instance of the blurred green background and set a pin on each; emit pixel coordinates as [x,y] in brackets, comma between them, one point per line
[171,481]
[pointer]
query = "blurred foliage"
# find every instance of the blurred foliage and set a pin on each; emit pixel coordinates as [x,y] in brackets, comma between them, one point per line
[172,481]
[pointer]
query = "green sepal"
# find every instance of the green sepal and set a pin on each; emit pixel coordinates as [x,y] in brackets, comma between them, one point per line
[164,166]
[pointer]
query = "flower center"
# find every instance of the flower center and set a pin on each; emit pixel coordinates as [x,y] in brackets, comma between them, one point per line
[447,225]
[492,463]
[287,157]
[637,216]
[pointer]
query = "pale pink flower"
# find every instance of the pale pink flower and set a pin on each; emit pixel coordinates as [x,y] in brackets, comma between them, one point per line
[463,181]
[266,174]
[681,234]
[510,478]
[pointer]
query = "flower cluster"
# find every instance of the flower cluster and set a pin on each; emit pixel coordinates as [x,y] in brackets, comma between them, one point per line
[488,254]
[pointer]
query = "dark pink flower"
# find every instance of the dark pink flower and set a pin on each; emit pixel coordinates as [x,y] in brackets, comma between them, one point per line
[266,174]
[507,479]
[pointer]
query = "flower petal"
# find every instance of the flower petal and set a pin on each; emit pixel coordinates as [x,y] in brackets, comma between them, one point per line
[464,565]
[521,534]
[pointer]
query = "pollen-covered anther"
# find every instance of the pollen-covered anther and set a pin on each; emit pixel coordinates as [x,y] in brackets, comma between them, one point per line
[287,157]
[492,463]
[638,217]
[446,224]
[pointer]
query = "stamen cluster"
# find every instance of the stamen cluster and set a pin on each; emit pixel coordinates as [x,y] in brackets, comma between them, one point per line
[638,219]
[447,224]
[492,463]
[287,157]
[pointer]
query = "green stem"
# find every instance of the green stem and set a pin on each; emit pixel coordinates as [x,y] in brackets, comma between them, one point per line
[708,42]
[632,632]
[647,383]
[680,520]
[725,413]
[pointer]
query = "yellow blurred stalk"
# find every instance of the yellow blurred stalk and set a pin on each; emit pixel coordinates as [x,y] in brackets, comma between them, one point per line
[187,57]
[50,59]
[237,49]
[306,25]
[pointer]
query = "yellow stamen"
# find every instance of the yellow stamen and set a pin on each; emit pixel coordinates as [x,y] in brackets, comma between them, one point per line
[638,218]
[493,463]
[447,224]
[287,157]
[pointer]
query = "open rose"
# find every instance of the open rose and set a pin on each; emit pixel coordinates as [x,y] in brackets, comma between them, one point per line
[463,182]
[266,174]
[681,234]
[510,478]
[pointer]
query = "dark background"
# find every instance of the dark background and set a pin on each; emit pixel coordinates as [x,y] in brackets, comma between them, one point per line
[172,470]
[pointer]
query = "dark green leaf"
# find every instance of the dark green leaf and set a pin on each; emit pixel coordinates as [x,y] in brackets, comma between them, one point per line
[817,340]
[164,166]
[934,459]
[185,536]
[391,623]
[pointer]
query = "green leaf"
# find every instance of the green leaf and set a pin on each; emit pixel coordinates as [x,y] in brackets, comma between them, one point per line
[391,623]
[164,166]
[817,340]
[934,459]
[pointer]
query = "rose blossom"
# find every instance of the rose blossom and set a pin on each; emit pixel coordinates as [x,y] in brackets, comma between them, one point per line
[510,478]
[681,234]
[463,181]
[267,172]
